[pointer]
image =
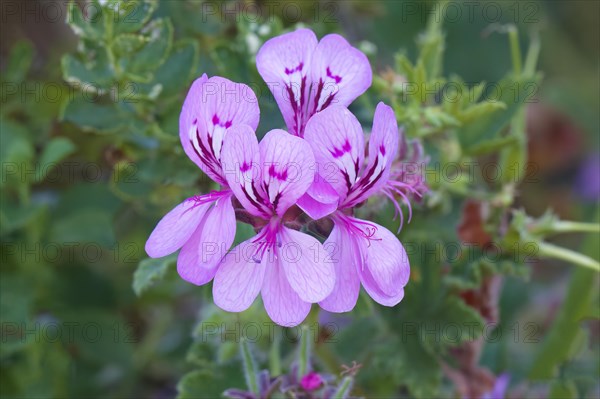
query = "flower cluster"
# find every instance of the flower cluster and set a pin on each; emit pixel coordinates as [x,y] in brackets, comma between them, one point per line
[319,166]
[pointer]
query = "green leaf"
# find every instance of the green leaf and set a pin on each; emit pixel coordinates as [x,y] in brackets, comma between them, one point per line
[14,143]
[417,369]
[16,154]
[84,226]
[91,76]
[556,348]
[15,302]
[14,217]
[210,383]
[175,74]
[513,92]
[132,15]
[88,22]
[96,117]
[57,149]
[128,43]
[141,65]
[150,271]
[19,62]
[563,390]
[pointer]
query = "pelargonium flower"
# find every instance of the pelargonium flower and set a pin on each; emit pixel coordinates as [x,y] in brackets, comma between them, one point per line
[286,266]
[306,76]
[367,252]
[203,226]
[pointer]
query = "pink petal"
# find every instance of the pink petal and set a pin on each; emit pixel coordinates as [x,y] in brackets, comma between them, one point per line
[339,72]
[379,296]
[283,62]
[315,209]
[175,228]
[240,158]
[383,147]
[282,303]
[347,260]
[387,269]
[320,199]
[302,258]
[336,138]
[288,168]
[198,259]
[239,278]
[210,108]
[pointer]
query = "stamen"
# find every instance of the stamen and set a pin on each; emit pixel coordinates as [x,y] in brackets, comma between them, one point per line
[213,196]
[266,240]
[359,228]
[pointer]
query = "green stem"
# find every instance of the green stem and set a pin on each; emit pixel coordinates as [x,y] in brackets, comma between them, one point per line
[532,55]
[249,367]
[515,49]
[554,251]
[564,226]
[344,389]
[304,354]
[275,357]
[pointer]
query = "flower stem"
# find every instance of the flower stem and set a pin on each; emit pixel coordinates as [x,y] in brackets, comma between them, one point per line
[554,251]
[304,352]
[515,49]
[564,226]
[344,389]
[275,357]
[249,367]
[532,55]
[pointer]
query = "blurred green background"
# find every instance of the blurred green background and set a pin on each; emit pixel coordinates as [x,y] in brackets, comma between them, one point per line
[89,168]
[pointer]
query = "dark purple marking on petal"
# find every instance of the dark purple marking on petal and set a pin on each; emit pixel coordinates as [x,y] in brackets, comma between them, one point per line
[347,179]
[206,156]
[337,78]
[245,167]
[296,69]
[279,176]
[276,202]
[339,152]
[364,184]
[382,149]
[217,122]
[259,202]
[328,102]
[318,95]
[298,106]
[347,147]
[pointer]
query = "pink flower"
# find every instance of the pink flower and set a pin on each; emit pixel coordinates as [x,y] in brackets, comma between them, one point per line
[311,381]
[306,76]
[366,252]
[203,226]
[287,267]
